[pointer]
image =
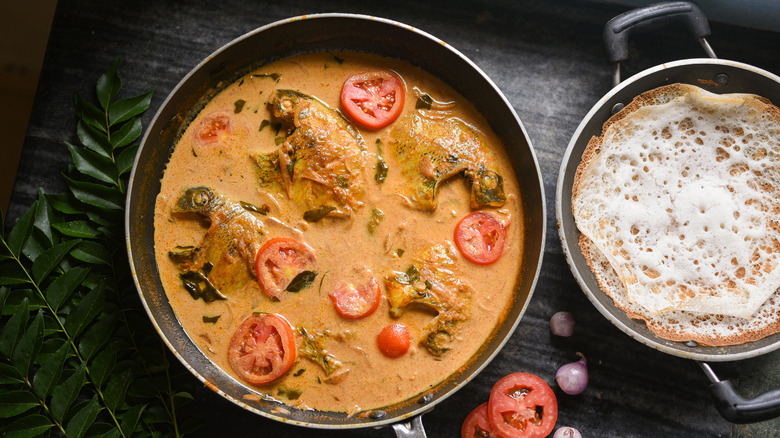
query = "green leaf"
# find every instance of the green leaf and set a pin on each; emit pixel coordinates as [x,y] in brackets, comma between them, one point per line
[13,330]
[124,162]
[11,273]
[92,252]
[127,134]
[29,345]
[90,115]
[43,218]
[21,231]
[92,164]
[114,394]
[97,336]
[108,85]
[79,424]
[62,203]
[64,394]
[111,432]
[81,229]
[28,427]
[85,311]
[49,373]
[301,281]
[9,375]
[125,109]
[63,286]
[104,362]
[13,403]
[96,195]
[50,258]
[131,418]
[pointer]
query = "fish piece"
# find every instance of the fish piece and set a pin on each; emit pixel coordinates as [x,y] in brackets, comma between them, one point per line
[323,159]
[224,259]
[431,151]
[431,283]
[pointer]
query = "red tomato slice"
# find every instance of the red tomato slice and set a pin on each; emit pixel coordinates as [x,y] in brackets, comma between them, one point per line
[262,348]
[356,303]
[373,99]
[279,261]
[213,127]
[476,425]
[480,237]
[522,405]
[394,340]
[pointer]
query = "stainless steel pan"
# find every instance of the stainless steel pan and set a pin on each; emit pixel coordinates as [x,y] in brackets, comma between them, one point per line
[302,35]
[718,76]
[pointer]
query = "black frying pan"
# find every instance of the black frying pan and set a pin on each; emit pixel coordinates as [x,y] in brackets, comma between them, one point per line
[715,75]
[296,36]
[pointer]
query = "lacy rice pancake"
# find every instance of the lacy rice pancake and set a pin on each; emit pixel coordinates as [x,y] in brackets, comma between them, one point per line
[339,231]
[677,203]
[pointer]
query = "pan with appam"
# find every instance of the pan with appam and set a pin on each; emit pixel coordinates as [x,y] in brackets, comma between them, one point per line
[667,205]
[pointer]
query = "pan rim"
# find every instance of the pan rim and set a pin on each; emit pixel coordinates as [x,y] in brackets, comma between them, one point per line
[462,379]
[566,225]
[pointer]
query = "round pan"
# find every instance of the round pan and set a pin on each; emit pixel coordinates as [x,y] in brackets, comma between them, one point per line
[303,35]
[717,76]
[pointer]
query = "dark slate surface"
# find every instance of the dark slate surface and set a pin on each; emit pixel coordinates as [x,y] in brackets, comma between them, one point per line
[547,57]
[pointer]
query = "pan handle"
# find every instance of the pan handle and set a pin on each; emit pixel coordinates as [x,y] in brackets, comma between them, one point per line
[619,29]
[736,409]
[411,429]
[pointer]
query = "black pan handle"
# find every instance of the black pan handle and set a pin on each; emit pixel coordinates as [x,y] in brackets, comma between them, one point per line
[619,29]
[737,409]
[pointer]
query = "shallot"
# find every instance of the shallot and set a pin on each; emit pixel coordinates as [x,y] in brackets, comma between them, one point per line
[572,378]
[562,324]
[567,432]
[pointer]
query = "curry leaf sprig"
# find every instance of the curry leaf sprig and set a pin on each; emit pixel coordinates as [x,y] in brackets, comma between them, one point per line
[78,356]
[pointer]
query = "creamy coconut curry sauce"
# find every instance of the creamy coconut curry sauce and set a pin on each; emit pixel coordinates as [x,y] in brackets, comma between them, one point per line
[289,237]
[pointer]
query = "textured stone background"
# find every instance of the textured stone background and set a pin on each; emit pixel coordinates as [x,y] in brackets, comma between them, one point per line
[547,57]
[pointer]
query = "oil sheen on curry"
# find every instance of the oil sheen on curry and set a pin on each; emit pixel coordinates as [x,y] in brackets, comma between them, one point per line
[339,231]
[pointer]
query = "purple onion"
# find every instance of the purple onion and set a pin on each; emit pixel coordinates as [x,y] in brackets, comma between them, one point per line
[572,378]
[567,432]
[562,324]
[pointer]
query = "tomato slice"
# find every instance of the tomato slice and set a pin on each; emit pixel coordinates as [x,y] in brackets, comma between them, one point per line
[480,237]
[357,302]
[262,348]
[213,127]
[394,340]
[373,99]
[522,405]
[279,261]
[476,425]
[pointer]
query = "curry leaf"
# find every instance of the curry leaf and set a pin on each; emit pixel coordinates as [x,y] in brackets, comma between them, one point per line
[93,139]
[96,195]
[124,162]
[49,259]
[29,426]
[79,424]
[131,418]
[90,114]
[16,402]
[92,252]
[21,231]
[13,329]
[12,273]
[318,213]
[125,109]
[96,336]
[64,395]
[82,315]
[49,373]
[95,165]
[63,286]
[301,281]
[116,388]
[127,134]
[29,345]
[81,228]
[108,85]
[103,364]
